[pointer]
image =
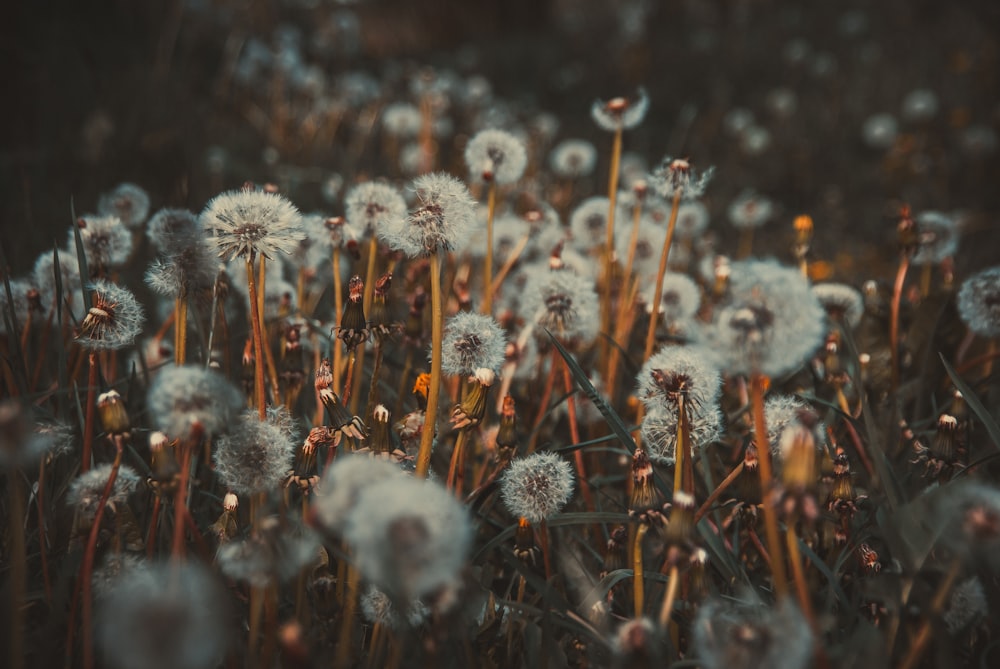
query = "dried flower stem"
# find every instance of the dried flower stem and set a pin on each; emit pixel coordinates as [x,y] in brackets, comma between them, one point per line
[719,489]
[87,569]
[349,604]
[18,568]
[154,521]
[180,499]
[456,457]
[180,330]
[757,384]
[338,306]
[434,391]
[272,370]
[574,431]
[491,206]
[654,318]
[609,245]
[543,405]
[258,344]
[88,421]
[897,296]
[404,375]
[508,265]
[798,574]
[638,586]
[625,321]
[667,608]
[923,636]
[746,243]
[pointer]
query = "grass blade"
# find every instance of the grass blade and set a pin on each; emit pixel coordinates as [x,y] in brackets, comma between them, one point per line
[974,403]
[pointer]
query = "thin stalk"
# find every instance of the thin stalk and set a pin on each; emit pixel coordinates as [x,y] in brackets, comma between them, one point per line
[348,604]
[338,306]
[667,608]
[746,243]
[373,387]
[798,574]
[721,488]
[609,245]
[401,391]
[509,263]
[925,279]
[625,321]
[180,503]
[491,206]
[456,455]
[897,296]
[88,421]
[258,344]
[544,541]
[638,586]
[272,370]
[574,431]
[180,330]
[434,392]
[767,486]
[18,568]
[42,534]
[153,526]
[543,405]
[654,319]
[915,653]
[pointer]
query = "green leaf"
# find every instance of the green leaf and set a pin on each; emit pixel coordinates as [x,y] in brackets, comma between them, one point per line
[974,403]
[613,420]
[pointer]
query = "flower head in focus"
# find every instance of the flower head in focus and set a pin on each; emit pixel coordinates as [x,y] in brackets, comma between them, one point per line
[537,486]
[252,222]
[445,216]
[114,321]
[620,113]
[496,155]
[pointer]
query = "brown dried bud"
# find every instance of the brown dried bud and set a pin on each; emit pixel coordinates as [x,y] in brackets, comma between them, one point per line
[112,414]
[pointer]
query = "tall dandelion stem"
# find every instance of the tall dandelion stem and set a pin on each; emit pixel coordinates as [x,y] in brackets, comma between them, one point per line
[638,587]
[668,600]
[272,370]
[180,330]
[338,306]
[491,207]
[609,245]
[660,273]
[767,485]
[258,344]
[897,296]
[434,391]
[88,422]
[798,574]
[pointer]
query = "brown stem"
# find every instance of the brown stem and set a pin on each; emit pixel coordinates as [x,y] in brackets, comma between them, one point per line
[491,199]
[42,535]
[434,391]
[455,457]
[923,636]
[798,575]
[638,586]
[258,345]
[757,384]
[897,296]
[609,244]
[272,369]
[574,431]
[667,608]
[180,497]
[721,488]
[509,263]
[338,305]
[154,521]
[543,405]
[88,422]
[660,273]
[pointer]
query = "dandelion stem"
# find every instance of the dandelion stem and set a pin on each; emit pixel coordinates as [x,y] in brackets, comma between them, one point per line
[897,296]
[180,330]
[574,431]
[667,608]
[338,306]
[456,455]
[638,587]
[654,318]
[42,534]
[767,485]
[18,568]
[798,574]
[180,504]
[347,623]
[746,243]
[609,245]
[434,391]
[272,370]
[923,636]
[491,200]
[719,489]
[88,421]
[509,264]
[258,346]
[543,403]
[153,523]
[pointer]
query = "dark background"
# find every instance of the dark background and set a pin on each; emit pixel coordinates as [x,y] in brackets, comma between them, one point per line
[96,93]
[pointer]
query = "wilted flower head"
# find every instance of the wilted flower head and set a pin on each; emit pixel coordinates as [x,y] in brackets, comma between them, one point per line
[589,223]
[256,455]
[128,202]
[107,243]
[979,302]
[676,175]
[496,155]
[573,158]
[841,302]
[252,222]
[113,321]
[750,210]
[164,617]
[620,113]
[378,609]
[373,205]
[274,553]
[444,218]
[937,237]
[472,341]
[190,400]
[563,303]
[773,321]
[537,486]
[86,490]
[410,537]
[730,635]
[342,485]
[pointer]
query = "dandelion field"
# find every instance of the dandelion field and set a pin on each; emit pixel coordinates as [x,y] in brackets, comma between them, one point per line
[416,372]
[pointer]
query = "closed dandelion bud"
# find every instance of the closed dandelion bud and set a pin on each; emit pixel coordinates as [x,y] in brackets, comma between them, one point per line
[162,617]
[470,411]
[799,454]
[680,526]
[114,320]
[524,542]
[747,486]
[907,234]
[112,413]
[507,434]
[230,502]
[945,446]
[164,463]
[803,226]
[380,320]
[730,635]
[353,328]
[380,440]
[616,556]
[645,498]
[338,415]
[536,486]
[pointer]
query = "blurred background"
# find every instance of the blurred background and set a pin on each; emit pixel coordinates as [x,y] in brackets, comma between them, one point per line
[840,110]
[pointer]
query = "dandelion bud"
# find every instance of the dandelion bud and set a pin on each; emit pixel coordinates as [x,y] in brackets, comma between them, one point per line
[803,226]
[536,486]
[164,463]
[645,497]
[680,526]
[524,542]
[907,235]
[470,411]
[507,433]
[353,328]
[380,322]
[112,413]
[230,502]
[799,453]
[381,434]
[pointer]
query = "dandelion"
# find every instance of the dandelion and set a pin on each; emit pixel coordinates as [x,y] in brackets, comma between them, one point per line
[114,321]
[44,278]
[107,243]
[23,294]
[255,456]
[573,158]
[372,205]
[842,303]
[979,302]
[748,212]
[273,554]
[86,489]
[537,486]
[471,342]
[342,485]
[784,414]
[679,300]
[495,156]
[648,243]
[879,131]
[185,272]
[730,635]
[410,537]
[188,401]
[172,229]
[128,202]
[937,238]
[401,120]
[563,303]
[378,609]
[588,224]
[692,220]
[920,105]
[164,616]
[247,223]
[966,606]
[444,218]
[675,177]
[620,113]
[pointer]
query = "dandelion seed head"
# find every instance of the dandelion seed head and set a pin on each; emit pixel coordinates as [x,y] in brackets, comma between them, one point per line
[378,609]
[107,243]
[114,320]
[252,222]
[841,302]
[410,537]
[573,158]
[444,218]
[920,105]
[563,303]
[620,113]
[495,155]
[273,554]
[966,605]
[537,486]
[677,175]
[172,229]
[785,412]
[255,456]
[372,206]
[879,131]
[128,202]
[730,635]
[472,341]
[979,302]
[659,430]
[163,617]
[680,299]
[189,399]
[692,220]
[937,237]
[750,210]
[86,489]
[44,278]
[589,223]
[401,120]
[342,485]
[185,272]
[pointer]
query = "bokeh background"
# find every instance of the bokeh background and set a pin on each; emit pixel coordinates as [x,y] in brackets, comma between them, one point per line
[182,98]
